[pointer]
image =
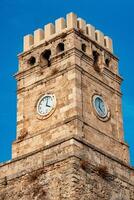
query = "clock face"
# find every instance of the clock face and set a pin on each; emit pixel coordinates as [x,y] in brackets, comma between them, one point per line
[46,104]
[100,106]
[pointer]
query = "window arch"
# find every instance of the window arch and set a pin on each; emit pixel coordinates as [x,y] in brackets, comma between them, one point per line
[60,47]
[107,62]
[96,57]
[83,47]
[31,61]
[45,58]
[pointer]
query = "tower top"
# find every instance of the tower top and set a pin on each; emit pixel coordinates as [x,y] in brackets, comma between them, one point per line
[62,26]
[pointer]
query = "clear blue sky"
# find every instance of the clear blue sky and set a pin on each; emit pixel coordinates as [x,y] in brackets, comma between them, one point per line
[19,17]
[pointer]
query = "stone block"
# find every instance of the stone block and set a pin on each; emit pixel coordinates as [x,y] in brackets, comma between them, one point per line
[108,43]
[60,25]
[99,37]
[71,20]
[49,30]
[81,24]
[90,31]
[38,36]
[28,42]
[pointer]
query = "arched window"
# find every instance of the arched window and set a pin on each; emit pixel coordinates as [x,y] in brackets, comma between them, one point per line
[107,62]
[95,57]
[83,47]
[45,58]
[31,61]
[96,60]
[60,47]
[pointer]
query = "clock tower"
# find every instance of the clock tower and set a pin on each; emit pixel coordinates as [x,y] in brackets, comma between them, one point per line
[69,117]
[69,86]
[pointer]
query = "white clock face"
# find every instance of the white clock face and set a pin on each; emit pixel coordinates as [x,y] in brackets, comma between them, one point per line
[45,104]
[100,106]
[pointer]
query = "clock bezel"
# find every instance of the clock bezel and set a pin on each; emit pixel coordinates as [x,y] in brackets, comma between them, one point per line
[45,116]
[107,115]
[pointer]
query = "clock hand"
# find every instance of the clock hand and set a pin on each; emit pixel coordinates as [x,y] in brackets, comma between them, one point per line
[47,103]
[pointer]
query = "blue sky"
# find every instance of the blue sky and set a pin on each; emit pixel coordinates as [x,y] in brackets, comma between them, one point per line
[20,17]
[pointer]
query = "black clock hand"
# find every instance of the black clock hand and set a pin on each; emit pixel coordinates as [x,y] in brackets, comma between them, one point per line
[47,103]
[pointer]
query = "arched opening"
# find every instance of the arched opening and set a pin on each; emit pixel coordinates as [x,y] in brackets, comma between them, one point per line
[83,47]
[107,61]
[95,60]
[95,57]
[60,47]
[31,61]
[45,58]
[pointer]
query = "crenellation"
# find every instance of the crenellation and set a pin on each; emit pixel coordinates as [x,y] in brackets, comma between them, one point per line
[81,24]
[62,25]
[71,20]
[90,31]
[38,35]
[28,41]
[99,37]
[108,43]
[49,29]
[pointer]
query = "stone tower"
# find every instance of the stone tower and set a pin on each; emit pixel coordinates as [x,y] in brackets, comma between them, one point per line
[69,142]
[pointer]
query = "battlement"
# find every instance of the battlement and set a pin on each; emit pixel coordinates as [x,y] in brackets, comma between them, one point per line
[61,26]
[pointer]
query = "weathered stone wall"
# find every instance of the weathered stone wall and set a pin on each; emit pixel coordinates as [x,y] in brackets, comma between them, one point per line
[107,135]
[53,182]
[95,184]
[70,170]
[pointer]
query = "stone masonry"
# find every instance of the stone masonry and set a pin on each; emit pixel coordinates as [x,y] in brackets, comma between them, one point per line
[72,153]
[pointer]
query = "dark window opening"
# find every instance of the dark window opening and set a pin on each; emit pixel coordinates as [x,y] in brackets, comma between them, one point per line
[60,47]
[83,47]
[32,61]
[95,62]
[95,57]
[45,58]
[107,61]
